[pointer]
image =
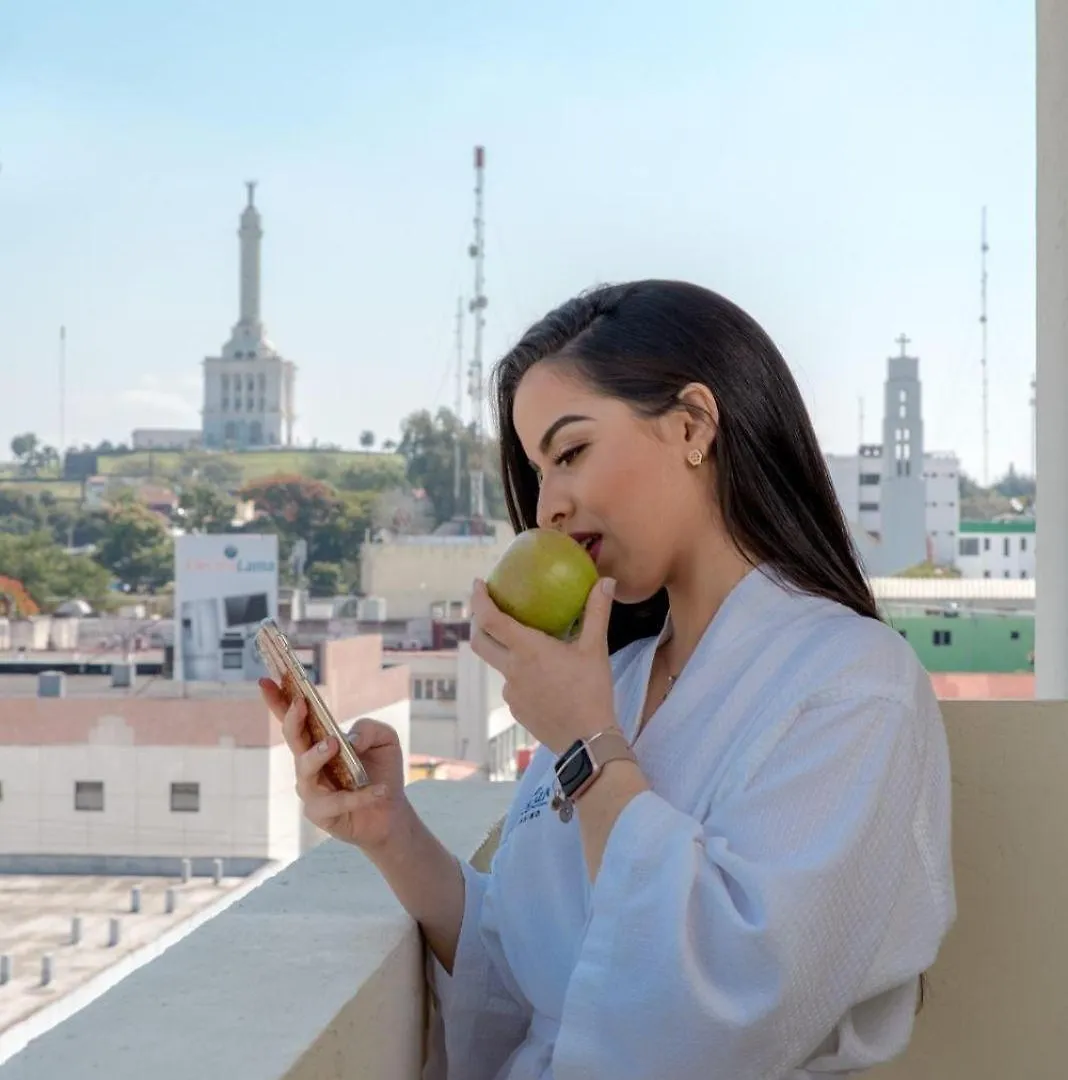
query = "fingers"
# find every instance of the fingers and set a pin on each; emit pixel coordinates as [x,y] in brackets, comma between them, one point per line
[294,730]
[328,806]
[501,628]
[598,611]
[272,697]
[368,734]
[493,652]
[310,763]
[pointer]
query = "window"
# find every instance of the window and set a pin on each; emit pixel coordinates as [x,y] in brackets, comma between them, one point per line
[1005,547]
[88,795]
[1023,543]
[869,478]
[225,404]
[969,545]
[942,637]
[986,543]
[1014,635]
[1023,573]
[986,573]
[869,508]
[417,689]
[185,798]
[446,689]
[1007,574]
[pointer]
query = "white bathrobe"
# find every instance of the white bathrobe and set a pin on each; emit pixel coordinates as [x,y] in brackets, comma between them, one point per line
[763,912]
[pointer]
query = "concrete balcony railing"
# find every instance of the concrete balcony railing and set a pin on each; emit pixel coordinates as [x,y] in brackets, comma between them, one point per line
[318,973]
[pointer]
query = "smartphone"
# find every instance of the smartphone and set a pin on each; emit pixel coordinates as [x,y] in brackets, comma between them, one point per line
[345,770]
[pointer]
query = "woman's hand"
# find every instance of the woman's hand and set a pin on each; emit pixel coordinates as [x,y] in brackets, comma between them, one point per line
[559,691]
[366,818]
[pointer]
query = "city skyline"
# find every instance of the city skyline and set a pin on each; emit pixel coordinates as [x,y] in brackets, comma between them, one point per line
[826,171]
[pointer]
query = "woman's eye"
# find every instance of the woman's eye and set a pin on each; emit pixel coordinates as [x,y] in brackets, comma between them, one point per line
[568,456]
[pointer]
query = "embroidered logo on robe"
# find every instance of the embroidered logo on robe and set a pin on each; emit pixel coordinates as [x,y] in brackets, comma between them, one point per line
[536,803]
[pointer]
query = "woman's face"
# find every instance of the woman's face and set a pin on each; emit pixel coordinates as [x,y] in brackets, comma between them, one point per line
[618,482]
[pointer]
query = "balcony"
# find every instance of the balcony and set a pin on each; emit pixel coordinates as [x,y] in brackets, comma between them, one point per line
[318,972]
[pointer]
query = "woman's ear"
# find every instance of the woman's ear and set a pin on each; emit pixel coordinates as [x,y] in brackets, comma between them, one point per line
[700,417]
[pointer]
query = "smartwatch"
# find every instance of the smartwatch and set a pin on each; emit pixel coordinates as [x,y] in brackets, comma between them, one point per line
[581,763]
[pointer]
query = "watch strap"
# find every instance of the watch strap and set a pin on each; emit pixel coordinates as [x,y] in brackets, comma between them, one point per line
[582,762]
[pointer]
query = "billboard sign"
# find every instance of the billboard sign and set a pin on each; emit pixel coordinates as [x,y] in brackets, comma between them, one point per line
[224,586]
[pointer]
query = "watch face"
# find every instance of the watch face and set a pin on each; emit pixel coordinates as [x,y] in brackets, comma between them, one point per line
[574,767]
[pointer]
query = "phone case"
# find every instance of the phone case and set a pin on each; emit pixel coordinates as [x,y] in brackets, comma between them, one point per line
[345,771]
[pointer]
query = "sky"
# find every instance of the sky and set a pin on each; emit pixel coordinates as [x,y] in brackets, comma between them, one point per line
[823,164]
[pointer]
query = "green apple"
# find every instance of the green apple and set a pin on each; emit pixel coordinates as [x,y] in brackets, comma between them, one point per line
[543,580]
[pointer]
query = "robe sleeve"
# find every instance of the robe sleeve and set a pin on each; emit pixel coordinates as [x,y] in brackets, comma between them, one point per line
[482,1016]
[731,947]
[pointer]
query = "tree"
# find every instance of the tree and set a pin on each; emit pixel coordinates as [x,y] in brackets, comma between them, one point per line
[428,446]
[24,449]
[333,523]
[1014,485]
[403,512]
[136,547]
[324,579]
[205,509]
[382,472]
[367,439]
[216,469]
[32,457]
[49,574]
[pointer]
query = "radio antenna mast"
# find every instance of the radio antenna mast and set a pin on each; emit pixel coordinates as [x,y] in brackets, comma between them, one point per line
[478,307]
[984,247]
[456,452]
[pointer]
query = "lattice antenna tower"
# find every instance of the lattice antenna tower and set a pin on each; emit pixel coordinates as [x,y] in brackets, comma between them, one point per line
[457,456]
[477,305]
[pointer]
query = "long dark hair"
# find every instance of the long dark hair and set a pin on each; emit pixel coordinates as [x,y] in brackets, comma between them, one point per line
[643,343]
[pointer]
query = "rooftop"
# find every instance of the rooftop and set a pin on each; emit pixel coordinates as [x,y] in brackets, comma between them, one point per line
[36,919]
[1016,590]
[1012,525]
[145,686]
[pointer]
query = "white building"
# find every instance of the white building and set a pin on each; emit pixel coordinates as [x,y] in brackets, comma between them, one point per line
[458,712]
[902,502]
[165,439]
[857,480]
[249,389]
[109,780]
[414,574]
[997,549]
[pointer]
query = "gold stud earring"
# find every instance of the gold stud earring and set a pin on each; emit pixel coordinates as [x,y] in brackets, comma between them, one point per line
[695,457]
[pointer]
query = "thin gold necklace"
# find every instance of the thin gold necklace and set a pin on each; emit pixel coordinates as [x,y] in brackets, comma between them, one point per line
[671,680]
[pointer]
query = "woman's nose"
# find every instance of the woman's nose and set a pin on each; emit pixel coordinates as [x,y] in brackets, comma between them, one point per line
[554,508]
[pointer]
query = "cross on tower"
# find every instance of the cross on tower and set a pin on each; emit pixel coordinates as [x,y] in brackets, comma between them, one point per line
[903,341]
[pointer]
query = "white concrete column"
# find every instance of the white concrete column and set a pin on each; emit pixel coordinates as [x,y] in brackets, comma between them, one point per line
[1051,577]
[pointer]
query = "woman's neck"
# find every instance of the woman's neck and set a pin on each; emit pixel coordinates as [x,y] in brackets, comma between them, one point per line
[695,593]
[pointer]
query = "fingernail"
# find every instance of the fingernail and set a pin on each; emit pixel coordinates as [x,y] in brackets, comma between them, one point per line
[608,586]
[324,746]
[378,791]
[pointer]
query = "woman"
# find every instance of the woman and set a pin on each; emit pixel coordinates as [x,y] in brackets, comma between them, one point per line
[730,856]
